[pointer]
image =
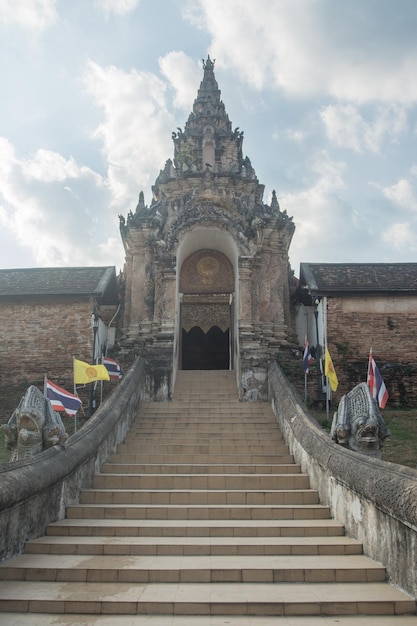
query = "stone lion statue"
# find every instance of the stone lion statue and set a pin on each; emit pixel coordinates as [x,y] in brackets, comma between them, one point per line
[33,426]
[358,424]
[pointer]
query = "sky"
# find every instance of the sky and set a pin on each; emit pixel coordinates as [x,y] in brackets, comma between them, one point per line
[91,90]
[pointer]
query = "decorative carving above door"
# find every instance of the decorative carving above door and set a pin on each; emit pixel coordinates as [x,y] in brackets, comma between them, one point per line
[207,271]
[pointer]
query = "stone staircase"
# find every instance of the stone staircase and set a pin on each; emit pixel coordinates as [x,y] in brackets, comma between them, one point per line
[200,518]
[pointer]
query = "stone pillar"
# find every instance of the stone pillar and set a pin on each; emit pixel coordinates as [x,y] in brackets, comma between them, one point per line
[160,348]
[139,288]
[245,283]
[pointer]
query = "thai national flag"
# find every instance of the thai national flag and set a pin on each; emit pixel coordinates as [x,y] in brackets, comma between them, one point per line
[307,358]
[112,367]
[376,384]
[62,400]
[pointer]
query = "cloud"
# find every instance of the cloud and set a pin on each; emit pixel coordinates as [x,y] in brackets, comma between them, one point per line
[322,214]
[402,194]
[136,128]
[32,15]
[183,74]
[350,51]
[401,235]
[118,7]
[56,209]
[347,128]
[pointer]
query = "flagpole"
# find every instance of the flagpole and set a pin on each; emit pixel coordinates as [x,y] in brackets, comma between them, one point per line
[369,364]
[305,388]
[75,390]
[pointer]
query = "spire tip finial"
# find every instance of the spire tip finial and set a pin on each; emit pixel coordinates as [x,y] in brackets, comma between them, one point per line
[209,64]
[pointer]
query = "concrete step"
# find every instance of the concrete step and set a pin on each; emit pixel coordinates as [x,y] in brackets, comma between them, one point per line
[44,619]
[226,459]
[192,569]
[230,482]
[198,497]
[200,468]
[166,436]
[207,449]
[175,529]
[203,598]
[198,512]
[194,546]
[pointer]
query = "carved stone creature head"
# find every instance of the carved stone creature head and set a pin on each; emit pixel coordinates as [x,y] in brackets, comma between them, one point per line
[33,426]
[358,423]
[364,434]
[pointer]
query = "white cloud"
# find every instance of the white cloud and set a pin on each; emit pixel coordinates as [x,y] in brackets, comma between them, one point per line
[321,215]
[311,48]
[118,7]
[136,130]
[330,173]
[48,166]
[56,209]
[184,76]
[291,134]
[402,194]
[32,15]
[400,236]
[347,128]
[344,126]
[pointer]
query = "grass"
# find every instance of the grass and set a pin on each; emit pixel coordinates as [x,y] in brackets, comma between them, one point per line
[400,447]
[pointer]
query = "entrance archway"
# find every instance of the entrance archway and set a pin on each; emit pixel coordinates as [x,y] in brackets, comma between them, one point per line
[205,351]
[206,295]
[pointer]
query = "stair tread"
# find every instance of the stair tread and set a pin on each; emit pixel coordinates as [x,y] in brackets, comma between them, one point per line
[203,523]
[47,619]
[200,541]
[203,593]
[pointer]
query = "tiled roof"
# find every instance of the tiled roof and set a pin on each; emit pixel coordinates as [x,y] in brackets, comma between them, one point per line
[99,282]
[339,278]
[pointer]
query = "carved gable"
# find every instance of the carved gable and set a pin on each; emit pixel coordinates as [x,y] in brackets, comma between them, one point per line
[206,271]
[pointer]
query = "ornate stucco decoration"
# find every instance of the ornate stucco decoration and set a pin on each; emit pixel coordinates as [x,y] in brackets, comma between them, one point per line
[206,271]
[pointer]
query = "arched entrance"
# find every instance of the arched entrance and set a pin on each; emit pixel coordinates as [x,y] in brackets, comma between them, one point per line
[205,351]
[206,296]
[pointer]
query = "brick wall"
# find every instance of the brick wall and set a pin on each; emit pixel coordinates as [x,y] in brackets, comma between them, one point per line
[39,337]
[388,325]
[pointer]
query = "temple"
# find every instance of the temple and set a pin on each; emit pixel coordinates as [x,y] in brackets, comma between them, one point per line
[207,271]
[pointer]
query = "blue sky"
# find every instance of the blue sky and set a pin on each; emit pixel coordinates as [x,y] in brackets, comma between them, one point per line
[324,90]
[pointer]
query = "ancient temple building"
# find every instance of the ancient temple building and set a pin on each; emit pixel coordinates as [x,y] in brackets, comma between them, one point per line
[207,272]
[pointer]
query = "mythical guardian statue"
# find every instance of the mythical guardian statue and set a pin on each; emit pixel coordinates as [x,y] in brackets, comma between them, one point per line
[358,423]
[33,426]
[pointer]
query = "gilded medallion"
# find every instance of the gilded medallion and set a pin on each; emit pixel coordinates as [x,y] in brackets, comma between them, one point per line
[207,267]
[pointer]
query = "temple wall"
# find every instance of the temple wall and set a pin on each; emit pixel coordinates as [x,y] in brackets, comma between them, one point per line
[385,324]
[388,325]
[40,336]
[375,500]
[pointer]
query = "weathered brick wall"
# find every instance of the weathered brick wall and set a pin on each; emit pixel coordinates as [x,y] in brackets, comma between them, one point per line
[388,325]
[39,337]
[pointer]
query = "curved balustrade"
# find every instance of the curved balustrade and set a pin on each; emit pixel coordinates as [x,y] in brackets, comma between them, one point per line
[36,491]
[375,500]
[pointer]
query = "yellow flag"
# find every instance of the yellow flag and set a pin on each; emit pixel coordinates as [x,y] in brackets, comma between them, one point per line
[329,371]
[85,373]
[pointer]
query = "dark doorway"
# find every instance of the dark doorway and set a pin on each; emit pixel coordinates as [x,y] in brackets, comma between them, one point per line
[205,351]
